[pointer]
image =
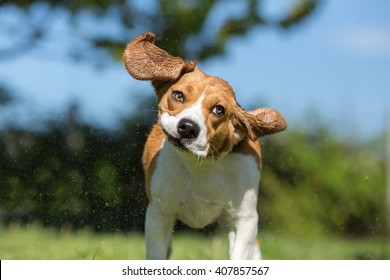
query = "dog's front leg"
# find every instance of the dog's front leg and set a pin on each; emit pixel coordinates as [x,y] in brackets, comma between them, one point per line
[242,237]
[158,232]
[242,226]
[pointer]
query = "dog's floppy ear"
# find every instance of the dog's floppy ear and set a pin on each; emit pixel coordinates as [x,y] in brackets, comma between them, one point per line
[257,123]
[146,61]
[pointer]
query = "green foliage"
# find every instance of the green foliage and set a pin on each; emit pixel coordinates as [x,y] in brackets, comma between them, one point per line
[5,96]
[185,26]
[74,174]
[315,183]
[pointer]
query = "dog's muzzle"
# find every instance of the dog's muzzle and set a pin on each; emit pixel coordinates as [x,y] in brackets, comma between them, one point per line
[185,133]
[188,129]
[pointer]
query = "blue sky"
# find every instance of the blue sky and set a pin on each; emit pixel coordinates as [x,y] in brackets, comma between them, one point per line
[335,67]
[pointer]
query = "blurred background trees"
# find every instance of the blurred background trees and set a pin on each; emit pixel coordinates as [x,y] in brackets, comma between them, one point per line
[196,29]
[71,173]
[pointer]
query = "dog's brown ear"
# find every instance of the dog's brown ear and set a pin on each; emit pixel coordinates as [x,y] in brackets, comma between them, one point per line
[258,123]
[146,61]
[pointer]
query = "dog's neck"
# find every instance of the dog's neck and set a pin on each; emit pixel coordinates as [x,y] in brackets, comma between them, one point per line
[192,163]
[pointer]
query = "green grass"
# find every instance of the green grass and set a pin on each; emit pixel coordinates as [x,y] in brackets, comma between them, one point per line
[35,242]
[325,248]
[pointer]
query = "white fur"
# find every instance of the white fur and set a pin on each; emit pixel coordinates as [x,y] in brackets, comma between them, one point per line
[194,113]
[198,193]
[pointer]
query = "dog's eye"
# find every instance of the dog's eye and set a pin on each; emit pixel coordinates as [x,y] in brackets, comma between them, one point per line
[218,110]
[178,96]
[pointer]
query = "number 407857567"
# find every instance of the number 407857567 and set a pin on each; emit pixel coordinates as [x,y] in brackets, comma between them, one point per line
[246,270]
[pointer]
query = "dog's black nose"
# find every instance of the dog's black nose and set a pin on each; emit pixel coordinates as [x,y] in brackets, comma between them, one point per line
[188,129]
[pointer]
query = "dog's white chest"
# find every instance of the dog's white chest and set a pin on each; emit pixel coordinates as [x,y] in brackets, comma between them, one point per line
[200,199]
[197,192]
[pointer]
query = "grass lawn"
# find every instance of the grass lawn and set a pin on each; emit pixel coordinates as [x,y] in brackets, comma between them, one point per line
[35,242]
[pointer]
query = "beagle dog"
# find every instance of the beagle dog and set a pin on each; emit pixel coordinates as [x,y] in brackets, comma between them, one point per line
[202,159]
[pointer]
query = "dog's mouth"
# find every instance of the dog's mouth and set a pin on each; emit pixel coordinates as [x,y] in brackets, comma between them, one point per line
[177,142]
[185,144]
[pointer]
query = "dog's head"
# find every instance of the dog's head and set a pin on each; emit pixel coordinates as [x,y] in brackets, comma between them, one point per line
[198,113]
